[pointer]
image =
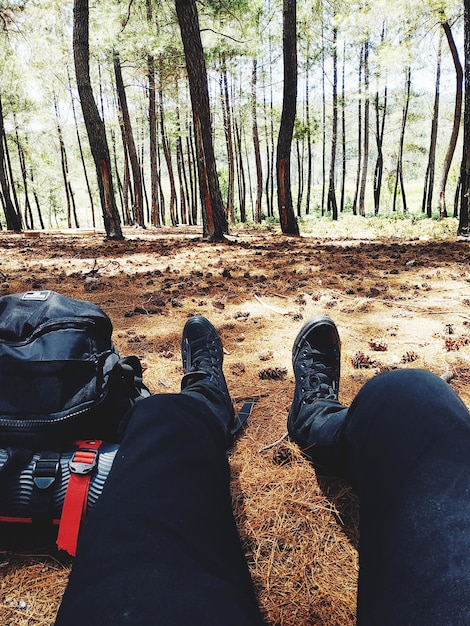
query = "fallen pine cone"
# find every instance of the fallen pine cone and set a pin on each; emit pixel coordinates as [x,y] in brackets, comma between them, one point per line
[362,361]
[273,373]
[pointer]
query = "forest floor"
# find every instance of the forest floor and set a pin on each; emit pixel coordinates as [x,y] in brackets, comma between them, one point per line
[396,304]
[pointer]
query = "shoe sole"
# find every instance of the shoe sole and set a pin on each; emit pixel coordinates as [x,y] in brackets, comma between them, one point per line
[314,322]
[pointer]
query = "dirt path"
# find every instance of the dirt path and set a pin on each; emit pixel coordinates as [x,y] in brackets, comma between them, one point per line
[396,305]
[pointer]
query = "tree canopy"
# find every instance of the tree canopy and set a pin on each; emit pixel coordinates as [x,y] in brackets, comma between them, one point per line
[366,110]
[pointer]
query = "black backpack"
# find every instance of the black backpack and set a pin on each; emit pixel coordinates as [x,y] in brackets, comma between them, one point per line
[61,378]
[65,394]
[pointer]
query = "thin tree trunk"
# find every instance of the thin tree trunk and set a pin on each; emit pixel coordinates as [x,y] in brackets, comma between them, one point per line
[323,105]
[332,204]
[343,132]
[82,157]
[166,149]
[365,156]
[227,117]
[180,163]
[256,144]
[130,142]
[28,214]
[12,217]
[240,173]
[457,119]
[399,170]
[379,137]
[430,169]
[309,138]
[64,166]
[288,220]
[464,227]
[94,124]
[359,132]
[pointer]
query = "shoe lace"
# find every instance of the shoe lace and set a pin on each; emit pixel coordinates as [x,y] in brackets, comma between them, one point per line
[204,354]
[317,383]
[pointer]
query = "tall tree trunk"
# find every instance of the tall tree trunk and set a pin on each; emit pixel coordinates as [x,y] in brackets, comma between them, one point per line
[80,149]
[240,172]
[359,132]
[36,199]
[323,108]
[399,170]
[12,217]
[130,142]
[343,132]
[93,122]
[180,164]
[430,169]
[365,156]
[256,145]
[166,149]
[214,218]
[64,165]
[457,119]
[288,220]
[28,214]
[464,226]
[380,115]
[155,215]
[227,117]
[332,204]
[308,185]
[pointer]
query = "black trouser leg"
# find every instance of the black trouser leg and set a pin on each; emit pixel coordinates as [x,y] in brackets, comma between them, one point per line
[408,440]
[161,547]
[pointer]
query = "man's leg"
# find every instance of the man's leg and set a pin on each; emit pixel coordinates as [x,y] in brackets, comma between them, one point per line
[161,546]
[405,445]
[408,440]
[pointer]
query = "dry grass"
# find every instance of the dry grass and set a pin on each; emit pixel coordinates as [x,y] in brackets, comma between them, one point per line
[397,304]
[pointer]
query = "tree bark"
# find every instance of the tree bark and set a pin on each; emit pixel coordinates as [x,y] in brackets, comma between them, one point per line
[457,118]
[130,143]
[166,148]
[287,217]
[399,170]
[359,132]
[214,218]
[464,226]
[430,169]
[332,204]
[256,145]
[93,122]
[80,149]
[343,132]
[365,156]
[12,217]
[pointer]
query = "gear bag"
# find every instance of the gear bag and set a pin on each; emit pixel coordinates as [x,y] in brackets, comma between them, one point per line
[63,391]
[61,378]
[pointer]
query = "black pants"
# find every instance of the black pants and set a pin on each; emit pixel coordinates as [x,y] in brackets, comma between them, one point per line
[161,547]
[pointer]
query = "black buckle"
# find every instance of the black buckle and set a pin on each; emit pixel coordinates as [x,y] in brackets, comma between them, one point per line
[84,461]
[46,469]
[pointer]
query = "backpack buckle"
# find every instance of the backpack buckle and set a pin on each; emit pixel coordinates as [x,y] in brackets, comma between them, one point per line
[46,469]
[84,461]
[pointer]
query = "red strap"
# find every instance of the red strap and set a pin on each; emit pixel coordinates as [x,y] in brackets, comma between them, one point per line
[76,496]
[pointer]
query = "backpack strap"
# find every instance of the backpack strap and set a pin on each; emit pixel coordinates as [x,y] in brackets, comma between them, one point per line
[82,464]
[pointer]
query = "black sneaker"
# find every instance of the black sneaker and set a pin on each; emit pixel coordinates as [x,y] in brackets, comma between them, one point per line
[316,361]
[203,355]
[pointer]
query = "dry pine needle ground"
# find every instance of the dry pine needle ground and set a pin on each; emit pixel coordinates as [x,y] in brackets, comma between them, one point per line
[396,305]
